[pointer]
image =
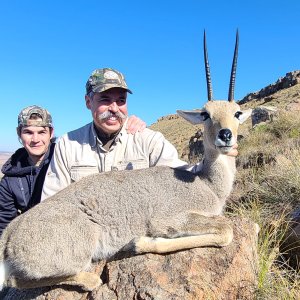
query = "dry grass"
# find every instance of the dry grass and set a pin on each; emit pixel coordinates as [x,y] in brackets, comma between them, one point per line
[276,279]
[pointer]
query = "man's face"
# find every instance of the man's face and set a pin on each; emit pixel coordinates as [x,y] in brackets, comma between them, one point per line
[109,109]
[36,140]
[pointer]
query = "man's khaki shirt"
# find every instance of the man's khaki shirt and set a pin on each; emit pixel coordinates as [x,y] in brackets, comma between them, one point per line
[80,153]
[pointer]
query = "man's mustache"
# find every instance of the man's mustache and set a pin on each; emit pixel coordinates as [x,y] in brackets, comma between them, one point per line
[108,114]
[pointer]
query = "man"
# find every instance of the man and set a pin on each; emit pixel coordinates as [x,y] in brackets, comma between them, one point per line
[104,145]
[24,173]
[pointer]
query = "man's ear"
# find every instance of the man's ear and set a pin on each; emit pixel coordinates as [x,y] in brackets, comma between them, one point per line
[87,101]
[193,116]
[245,115]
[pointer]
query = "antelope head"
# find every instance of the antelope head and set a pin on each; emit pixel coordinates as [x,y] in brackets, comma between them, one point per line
[221,118]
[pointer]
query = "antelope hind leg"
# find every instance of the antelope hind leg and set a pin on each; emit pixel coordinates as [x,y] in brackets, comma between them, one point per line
[85,280]
[185,232]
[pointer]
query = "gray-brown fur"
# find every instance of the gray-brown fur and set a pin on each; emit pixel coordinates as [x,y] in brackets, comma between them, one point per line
[151,210]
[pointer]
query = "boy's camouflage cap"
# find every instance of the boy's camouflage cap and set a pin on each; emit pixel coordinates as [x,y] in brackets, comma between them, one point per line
[25,114]
[104,79]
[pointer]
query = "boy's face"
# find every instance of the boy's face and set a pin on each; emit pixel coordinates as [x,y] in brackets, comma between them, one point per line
[36,140]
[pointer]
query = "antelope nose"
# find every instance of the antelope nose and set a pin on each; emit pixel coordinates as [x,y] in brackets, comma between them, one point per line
[225,135]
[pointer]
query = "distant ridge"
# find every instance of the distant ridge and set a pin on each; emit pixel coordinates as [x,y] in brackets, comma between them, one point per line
[6,153]
[4,156]
[289,80]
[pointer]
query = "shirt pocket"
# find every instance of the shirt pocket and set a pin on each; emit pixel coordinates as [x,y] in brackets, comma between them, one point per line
[131,165]
[78,172]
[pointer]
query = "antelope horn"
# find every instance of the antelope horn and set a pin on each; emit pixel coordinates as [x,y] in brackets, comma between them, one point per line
[233,69]
[207,71]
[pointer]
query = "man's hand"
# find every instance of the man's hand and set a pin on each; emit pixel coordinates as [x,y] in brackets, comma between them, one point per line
[233,152]
[135,124]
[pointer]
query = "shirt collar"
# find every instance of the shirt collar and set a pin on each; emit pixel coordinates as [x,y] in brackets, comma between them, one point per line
[119,137]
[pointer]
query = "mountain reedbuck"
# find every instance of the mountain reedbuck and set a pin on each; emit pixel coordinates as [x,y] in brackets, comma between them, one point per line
[156,210]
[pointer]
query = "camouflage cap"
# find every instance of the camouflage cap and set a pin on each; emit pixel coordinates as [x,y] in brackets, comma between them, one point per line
[105,79]
[26,113]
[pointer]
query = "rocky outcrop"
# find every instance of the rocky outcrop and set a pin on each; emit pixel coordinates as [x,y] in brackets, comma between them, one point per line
[202,273]
[290,79]
[262,114]
[168,117]
[195,149]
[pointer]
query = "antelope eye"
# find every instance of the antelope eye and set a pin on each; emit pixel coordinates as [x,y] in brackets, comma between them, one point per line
[238,114]
[205,115]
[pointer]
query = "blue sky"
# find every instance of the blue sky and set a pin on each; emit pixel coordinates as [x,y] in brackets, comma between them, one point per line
[49,48]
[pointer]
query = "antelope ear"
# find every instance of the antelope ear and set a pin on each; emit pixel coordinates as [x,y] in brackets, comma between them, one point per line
[193,116]
[245,115]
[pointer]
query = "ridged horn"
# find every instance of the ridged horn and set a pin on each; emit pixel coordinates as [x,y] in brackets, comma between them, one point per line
[207,71]
[233,69]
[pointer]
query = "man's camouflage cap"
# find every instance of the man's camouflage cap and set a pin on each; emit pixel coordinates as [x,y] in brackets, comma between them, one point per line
[105,79]
[26,113]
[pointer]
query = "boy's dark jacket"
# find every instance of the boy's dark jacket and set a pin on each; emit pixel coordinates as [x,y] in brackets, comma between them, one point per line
[21,185]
